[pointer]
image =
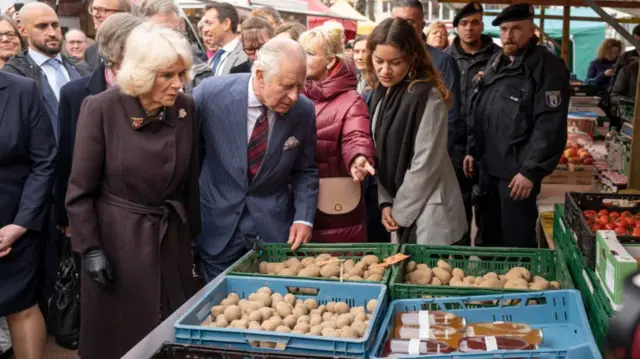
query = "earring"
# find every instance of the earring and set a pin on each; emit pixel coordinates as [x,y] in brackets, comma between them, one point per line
[412,74]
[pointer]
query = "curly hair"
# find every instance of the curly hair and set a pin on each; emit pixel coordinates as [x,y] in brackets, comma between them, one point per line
[400,34]
[606,45]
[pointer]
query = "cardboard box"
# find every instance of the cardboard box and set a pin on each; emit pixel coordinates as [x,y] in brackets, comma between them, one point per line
[613,264]
[634,251]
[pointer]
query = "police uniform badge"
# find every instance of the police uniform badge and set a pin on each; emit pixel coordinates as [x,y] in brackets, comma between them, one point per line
[553,98]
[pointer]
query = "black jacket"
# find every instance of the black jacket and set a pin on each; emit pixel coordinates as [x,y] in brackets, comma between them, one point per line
[470,65]
[518,113]
[244,67]
[200,72]
[623,60]
[92,57]
[71,97]
[627,83]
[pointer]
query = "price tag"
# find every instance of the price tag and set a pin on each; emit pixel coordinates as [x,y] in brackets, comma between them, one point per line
[425,325]
[491,343]
[414,347]
[391,260]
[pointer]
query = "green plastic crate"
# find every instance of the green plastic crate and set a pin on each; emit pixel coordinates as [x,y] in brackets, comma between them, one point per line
[597,305]
[271,252]
[476,261]
[626,108]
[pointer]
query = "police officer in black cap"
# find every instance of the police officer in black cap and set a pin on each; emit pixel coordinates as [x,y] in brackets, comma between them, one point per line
[518,119]
[472,50]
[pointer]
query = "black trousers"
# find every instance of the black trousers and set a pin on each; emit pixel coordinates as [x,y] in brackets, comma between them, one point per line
[376,232]
[466,189]
[503,221]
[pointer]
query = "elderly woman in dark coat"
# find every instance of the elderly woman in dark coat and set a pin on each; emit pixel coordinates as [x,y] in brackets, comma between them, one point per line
[133,197]
[110,39]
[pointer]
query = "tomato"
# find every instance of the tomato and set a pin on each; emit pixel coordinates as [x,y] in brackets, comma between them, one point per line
[626,214]
[636,232]
[595,227]
[614,214]
[603,219]
[589,213]
[603,212]
[610,226]
[630,221]
[621,222]
[637,216]
[621,231]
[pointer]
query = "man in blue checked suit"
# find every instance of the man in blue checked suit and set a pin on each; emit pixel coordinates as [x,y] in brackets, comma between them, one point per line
[259,178]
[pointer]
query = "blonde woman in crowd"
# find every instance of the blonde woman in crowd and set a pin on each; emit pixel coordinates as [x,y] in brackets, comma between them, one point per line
[601,69]
[345,150]
[437,35]
[133,199]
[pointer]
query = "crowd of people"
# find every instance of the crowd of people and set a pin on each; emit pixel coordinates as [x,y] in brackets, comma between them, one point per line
[163,164]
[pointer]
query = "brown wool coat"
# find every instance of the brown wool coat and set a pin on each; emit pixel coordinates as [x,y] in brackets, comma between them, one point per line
[134,193]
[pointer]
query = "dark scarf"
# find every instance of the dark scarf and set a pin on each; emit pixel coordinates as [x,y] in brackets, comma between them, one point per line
[399,116]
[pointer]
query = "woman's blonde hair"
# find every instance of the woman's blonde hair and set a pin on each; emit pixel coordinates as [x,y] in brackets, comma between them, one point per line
[331,37]
[606,45]
[436,25]
[151,48]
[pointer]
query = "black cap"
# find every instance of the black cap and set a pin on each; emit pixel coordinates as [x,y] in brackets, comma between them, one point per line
[636,31]
[515,12]
[471,8]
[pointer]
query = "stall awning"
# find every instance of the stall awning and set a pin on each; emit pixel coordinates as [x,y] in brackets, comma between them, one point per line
[365,26]
[350,26]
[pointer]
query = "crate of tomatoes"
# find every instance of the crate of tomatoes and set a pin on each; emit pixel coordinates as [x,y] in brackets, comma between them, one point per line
[576,166]
[587,213]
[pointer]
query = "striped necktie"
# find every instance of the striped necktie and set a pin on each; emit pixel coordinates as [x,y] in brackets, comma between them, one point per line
[258,143]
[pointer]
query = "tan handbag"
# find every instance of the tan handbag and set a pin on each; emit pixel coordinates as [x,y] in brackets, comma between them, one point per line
[338,195]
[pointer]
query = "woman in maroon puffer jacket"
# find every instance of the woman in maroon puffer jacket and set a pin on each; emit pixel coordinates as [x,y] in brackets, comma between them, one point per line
[345,150]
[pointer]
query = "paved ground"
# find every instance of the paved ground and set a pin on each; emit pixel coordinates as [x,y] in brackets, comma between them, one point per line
[53,351]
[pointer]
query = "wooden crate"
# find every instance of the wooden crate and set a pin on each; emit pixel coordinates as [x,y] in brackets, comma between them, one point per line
[573,175]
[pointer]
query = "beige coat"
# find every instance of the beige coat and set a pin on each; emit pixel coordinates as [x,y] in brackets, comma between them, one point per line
[429,195]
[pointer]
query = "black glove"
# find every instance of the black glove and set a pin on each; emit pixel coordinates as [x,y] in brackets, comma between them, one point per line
[97,266]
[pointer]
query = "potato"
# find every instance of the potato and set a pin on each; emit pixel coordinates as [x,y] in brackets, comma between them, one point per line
[222,322]
[330,270]
[271,268]
[275,299]
[299,311]
[255,326]
[278,268]
[262,267]
[370,259]
[312,270]
[331,307]
[355,271]
[539,285]
[422,266]
[411,266]
[290,321]
[436,281]
[341,308]
[491,283]
[308,261]
[442,275]
[445,265]
[360,327]
[266,313]
[311,303]
[327,316]
[255,316]
[304,319]
[265,290]
[315,320]
[232,313]
[538,279]
[348,332]
[356,278]
[302,327]
[348,264]
[457,272]
[316,330]
[233,297]
[330,332]
[217,310]
[328,324]
[293,261]
[343,321]
[524,272]
[374,277]
[239,324]
[456,282]
[283,329]
[517,283]
[290,298]
[554,284]
[276,319]
[245,317]
[283,309]
[422,276]
[377,270]
[290,272]
[490,275]
[227,302]
[323,257]
[469,280]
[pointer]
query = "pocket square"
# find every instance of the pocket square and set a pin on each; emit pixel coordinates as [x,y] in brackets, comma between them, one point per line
[290,143]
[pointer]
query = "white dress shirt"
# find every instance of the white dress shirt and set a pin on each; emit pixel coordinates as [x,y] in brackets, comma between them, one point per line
[49,71]
[228,49]
[254,111]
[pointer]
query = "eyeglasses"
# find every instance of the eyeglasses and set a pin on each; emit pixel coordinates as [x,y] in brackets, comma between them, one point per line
[101,10]
[12,35]
[251,50]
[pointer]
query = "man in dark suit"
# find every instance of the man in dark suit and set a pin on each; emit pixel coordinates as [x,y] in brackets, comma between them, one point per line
[259,137]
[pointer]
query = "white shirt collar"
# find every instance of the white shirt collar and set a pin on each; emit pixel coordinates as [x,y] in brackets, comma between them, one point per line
[253,99]
[41,59]
[231,45]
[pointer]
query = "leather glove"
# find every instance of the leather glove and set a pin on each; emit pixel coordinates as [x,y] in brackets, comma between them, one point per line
[97,265]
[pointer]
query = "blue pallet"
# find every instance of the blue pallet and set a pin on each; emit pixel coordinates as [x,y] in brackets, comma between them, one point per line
[189,331]
[560,315]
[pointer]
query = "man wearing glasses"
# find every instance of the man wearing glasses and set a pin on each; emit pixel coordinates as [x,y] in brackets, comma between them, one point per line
[255,32]
[100,10]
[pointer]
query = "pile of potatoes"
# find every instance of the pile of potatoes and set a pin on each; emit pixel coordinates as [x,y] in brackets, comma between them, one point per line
[445,274]
[326,266]
[273,312]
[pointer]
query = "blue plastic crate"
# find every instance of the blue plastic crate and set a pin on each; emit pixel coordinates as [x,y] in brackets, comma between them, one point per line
[560,314]
[189,331]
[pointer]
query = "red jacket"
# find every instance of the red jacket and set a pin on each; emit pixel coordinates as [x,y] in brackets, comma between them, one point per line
[342,120]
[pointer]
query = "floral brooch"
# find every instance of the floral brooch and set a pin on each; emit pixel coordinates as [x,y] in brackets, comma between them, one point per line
[136,122]
[182,113]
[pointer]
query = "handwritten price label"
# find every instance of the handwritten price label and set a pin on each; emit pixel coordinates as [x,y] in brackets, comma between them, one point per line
[389,261]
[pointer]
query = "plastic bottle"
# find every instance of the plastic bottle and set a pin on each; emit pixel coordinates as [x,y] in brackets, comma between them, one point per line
[490,343]
[610,138]
[505,329]
[425,317]
[442,333]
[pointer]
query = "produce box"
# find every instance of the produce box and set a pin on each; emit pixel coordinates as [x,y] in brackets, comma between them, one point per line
[576,166]
[584,122]
[634,250]
[613,265]
[189,328]
[249,265]
[559,314]
[589,212]
[185,351]
[597,306]
[476,261]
